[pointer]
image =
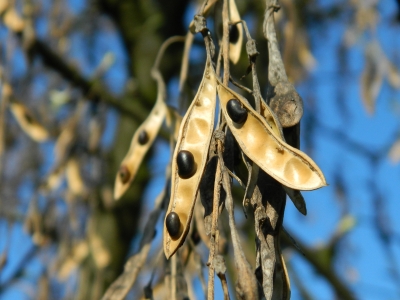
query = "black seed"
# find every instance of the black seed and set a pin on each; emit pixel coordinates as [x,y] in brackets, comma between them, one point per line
[233,34]
[143,137]
[186,164]
[124,174]
[28,118]
[236,111]
[173,224]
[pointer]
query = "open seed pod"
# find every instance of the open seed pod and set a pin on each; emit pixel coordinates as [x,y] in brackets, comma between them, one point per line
[140,144]
[189,160]
[235,34]
[235,29]
[288,165]
[28,123]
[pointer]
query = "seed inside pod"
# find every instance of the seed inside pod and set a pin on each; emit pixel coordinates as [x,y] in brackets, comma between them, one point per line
[124,174]
[233,34]
[186,164]
[173,224]
[28,118]
[143,137]
[236,111]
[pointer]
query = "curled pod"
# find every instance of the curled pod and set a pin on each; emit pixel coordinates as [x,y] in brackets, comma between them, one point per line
[194,137]
[288,165]
[235,33]
[140,144]
[28,123]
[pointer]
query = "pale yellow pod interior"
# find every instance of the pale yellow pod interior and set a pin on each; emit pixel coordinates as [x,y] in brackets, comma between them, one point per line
[28,124]
[194,135]
[136,151]
[288,165]
[235,48]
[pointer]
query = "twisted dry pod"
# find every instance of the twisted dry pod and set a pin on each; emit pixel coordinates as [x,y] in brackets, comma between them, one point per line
[28,123]
[288,165]
[140,144]
[189,160]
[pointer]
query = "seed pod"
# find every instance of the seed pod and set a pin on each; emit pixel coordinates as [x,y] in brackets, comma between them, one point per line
[235,33]
[288,165]
[28,123]
[173,224]
[236,111]
[140,144]
[186,164]
[235,30]
[194,136]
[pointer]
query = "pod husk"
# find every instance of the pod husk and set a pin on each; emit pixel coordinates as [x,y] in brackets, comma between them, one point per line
[288,165]
[136,151]
[194,135]
[235,48]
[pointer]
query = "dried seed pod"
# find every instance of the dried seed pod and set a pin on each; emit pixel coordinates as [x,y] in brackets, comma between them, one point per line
[236,111]
[139,147]
[28,123]
[186,164]
[74,178]
[235,33]
[288,165]
[173,224]
[281,94]
[194,136]
[235,30]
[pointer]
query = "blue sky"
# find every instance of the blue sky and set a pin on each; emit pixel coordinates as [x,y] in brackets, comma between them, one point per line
[334,100]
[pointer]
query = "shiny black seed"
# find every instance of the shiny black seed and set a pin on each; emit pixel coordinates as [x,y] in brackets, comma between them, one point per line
[173,224]
[28,118]
[143,137]
[236,111]
[124,174]
[233,33]
[186,164]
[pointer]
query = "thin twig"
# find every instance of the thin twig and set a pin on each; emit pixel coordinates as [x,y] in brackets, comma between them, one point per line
[225,41]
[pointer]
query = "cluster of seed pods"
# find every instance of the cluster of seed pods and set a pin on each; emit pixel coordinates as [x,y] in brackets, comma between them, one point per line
[259,137]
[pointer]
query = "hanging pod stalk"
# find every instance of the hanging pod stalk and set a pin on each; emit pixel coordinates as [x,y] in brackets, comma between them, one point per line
[189,161]
[259,142]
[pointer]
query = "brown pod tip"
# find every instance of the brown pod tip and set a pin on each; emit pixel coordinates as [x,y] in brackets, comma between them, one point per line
[173,224]
[236,111]
[124,174]
[186,164]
